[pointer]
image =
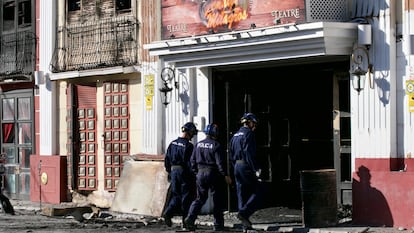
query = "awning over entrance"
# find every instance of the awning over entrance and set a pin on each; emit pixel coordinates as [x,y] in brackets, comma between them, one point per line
[258,45]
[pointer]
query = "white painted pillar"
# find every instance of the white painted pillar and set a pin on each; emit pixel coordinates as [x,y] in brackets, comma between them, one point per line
[152,110]
[47,100]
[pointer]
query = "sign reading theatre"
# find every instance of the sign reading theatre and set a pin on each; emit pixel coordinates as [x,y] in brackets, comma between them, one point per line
[186,18]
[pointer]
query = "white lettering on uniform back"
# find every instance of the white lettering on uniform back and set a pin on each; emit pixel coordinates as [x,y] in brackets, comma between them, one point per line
[205,145]
[178,144]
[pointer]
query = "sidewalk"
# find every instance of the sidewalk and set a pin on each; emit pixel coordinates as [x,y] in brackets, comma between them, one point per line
[277,219]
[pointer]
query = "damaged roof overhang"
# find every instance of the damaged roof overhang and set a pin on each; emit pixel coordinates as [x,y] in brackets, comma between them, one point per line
[258,45]
[15,78]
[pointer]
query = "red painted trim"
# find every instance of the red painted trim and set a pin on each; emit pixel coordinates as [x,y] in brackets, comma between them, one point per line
[37,123]
[382,192]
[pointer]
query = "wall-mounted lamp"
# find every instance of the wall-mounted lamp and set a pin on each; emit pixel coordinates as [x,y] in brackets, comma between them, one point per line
[360,63]
[167,74]
[360,66]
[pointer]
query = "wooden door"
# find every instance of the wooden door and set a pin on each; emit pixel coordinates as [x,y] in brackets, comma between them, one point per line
[116,131]
[87,137]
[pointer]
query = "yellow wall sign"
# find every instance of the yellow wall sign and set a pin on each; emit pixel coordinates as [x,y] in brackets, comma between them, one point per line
[149,90]
[148,102]
[149,79]
[409,90]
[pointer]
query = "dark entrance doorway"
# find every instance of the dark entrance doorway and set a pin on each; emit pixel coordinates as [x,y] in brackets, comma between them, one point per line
[294,106]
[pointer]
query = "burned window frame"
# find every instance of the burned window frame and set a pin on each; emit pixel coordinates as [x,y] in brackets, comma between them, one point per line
[8,14]
[19,12]
[24,13]
[74,5]
[123,6]
[17,32]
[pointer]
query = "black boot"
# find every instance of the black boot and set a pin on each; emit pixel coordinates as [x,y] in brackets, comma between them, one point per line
[189,224]
[167,220]
[245,222]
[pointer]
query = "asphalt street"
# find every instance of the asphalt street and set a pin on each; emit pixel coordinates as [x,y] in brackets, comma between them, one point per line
[29,218]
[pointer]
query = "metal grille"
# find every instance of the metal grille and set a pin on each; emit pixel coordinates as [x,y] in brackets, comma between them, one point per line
[327,10]
[97,44]
[17,56]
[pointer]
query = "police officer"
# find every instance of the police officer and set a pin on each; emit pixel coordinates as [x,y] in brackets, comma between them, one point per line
[177,165]
[246,169]
[209,164]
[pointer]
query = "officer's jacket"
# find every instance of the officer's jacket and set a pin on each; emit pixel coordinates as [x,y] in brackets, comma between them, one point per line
[243,147]
[178,154]
[208,154]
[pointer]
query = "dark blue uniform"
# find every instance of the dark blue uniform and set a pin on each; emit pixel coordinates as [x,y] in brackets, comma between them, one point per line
[243,156]
[209,163]
[177,164]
